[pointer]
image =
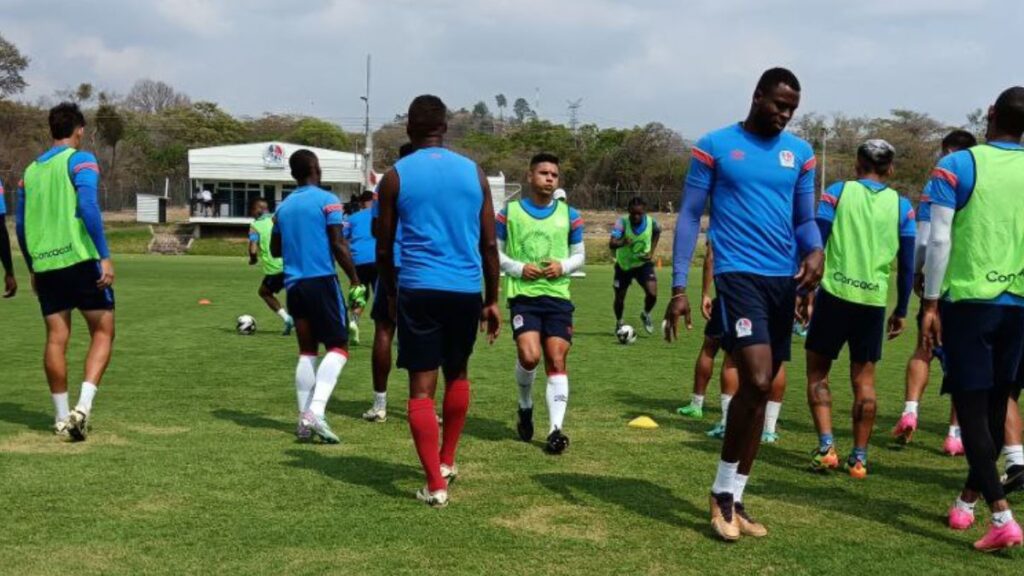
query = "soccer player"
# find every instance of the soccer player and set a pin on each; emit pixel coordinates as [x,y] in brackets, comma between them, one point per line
[260,234]
[60,229]
[359,233]
[973,263]
[634,240]
[761,182]
[540,243]
[865,225]
[442,203]
[307,234]
[10,283]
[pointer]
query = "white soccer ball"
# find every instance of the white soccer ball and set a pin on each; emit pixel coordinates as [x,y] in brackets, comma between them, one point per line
[626,334]
[246,325]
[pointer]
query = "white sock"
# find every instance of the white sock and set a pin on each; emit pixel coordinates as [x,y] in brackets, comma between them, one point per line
[697,400]
[524,378]
[283,314]
[725,479]
[740,485]
[954,432]
[726,399]
[910,407]
[380,400]
[1014,455]
[558,399]
[771,416]
[1000,519]
[85,398]
[60,406]
[305,381]
[965,506]
[326,379]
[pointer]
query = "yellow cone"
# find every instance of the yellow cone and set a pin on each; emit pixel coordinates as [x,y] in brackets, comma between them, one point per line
[643,423]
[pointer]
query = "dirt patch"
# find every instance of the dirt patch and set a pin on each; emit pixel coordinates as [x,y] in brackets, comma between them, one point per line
[562,521]
[47,443]
[158,430]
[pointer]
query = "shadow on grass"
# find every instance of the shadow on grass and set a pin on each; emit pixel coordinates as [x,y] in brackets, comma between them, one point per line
[488,429]
[631,494]
[31,419]
[253,420]
[378,475]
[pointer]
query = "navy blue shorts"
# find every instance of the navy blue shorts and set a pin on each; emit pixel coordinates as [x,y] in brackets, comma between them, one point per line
[381,302]
[757,310]
[837,322]
[274,282]
[368,276]
[319,301]
[552,317]
[436,329]
[73,287]
[641,275]
[983,344]
[715,327]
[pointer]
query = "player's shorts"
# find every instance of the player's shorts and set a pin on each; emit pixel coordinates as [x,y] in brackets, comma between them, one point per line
[757,310]
[436,329]
[550,316]
[641,275]
[381,301]
[319,302]
[73,287]
[715,327]
[837,322]
[368,275]
[274,282]
[983,344]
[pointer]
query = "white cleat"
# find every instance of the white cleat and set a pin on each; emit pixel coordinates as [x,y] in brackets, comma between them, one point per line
[77,425]
[438,499]
[60,429]
[376,415]
[450,473]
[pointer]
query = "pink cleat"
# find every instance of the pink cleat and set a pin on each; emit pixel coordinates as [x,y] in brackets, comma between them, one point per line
[998,538]
[953,446]
[905,428]
[960,519]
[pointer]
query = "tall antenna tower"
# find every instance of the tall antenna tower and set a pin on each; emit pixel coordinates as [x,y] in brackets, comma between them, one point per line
[574,113]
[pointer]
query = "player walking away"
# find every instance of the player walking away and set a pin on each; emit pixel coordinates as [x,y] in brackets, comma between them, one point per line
[865,225]
[441,202]
[10,284]
[383,325]
[260,234]
[540,243]
[60,229]
[307,234]
[761,183]
[973,262]
[919,363]
[359,233]
[634,240]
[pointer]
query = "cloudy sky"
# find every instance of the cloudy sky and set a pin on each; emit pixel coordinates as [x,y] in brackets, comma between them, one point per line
[689,64]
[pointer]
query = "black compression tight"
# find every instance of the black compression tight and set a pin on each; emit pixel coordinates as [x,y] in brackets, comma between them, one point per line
[982,415]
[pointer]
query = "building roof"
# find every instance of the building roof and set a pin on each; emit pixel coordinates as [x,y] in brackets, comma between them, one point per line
[268,162]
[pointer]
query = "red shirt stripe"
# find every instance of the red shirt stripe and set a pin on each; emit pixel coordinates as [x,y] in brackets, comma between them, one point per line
[943,174]
[703,157]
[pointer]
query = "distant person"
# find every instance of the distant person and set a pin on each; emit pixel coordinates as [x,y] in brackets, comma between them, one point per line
[206,201]
[441,202]
[307,235]
[363,246]
[260,234]
[634,240]
[60,229]
[10,284]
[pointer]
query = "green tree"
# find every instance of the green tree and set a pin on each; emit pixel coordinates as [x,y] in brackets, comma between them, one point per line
[110,127]
[12,64]
[521,108]
[314,132]
[502,103]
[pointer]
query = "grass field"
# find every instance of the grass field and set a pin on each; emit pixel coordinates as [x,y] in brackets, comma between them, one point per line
[192,466]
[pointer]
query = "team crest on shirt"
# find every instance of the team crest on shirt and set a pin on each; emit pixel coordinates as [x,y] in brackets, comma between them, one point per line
[737,154]
[787,159]
[517,321]
[744,328]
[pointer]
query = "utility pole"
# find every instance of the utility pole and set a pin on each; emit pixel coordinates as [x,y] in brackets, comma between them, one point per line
[536,103]
[824,157]
[368,138]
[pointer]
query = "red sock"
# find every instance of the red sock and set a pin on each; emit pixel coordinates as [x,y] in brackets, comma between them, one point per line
[423,424]
[456,404]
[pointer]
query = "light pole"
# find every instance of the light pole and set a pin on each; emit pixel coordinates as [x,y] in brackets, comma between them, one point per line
[368,137]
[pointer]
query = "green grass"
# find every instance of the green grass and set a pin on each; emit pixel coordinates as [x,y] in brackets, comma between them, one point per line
[192,467]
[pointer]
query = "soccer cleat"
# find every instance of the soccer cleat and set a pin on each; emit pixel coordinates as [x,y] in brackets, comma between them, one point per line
[375,415]
[77,425]
[1013,480]
[691,411]
[857,468]
[905,428]
[525,424]
[557,442]
[824,461]
[717,431]
[723,521]
[289,325]
[960,519]
[953,446]
[648,323]
[1006,536]
[303,433]
[436,499]
[353,332]
[450,473]
[748,526]
[320,428]
[769,437]
[60,429]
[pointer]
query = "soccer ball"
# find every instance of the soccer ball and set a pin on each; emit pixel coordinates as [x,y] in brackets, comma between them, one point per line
[626,334]
[246,325]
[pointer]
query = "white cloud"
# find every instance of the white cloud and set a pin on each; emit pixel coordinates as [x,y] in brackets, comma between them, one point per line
[110,65]
[199,17]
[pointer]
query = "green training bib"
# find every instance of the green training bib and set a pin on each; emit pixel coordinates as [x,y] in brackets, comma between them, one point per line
[538,241]
[264,226]
[629,256]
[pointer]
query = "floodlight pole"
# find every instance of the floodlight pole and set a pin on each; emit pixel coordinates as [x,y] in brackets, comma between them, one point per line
[368,137]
